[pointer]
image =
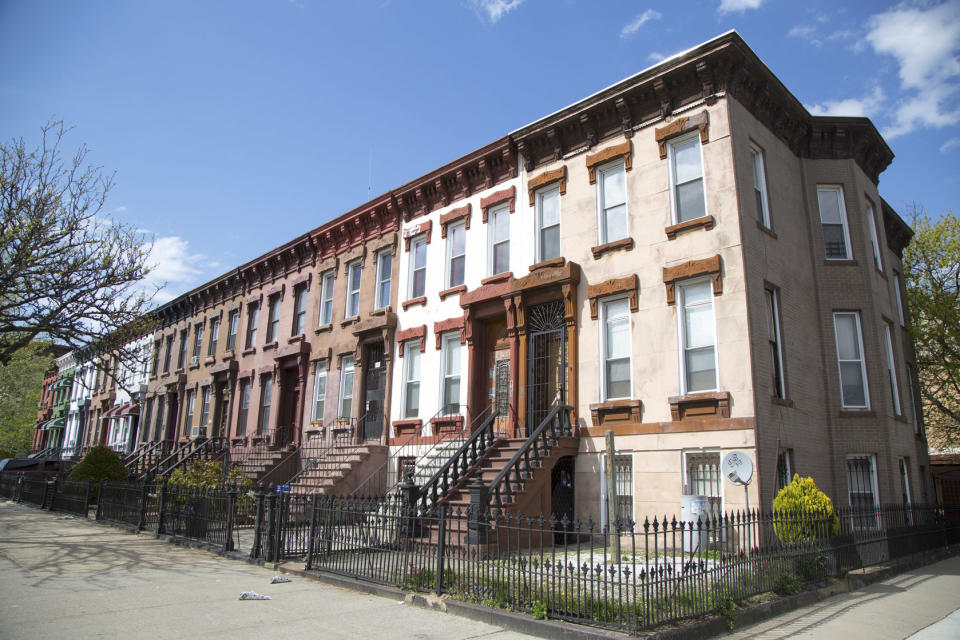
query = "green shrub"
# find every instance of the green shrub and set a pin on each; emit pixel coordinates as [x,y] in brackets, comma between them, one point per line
[7,453]
[100,463]
[207,474]
[803,513]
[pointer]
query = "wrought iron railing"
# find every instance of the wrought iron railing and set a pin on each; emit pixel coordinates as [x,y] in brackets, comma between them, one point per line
[527,458]
[148,456]
[387,478]
[456,467]
[308,455]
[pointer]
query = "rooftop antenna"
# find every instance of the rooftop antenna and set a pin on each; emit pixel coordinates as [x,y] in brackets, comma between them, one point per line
[370,175]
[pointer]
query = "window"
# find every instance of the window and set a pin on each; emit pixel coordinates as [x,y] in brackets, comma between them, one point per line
[188,411]
[214,336]
[204,406]
[266,397]
[874,238]
[234,325]
[701,477]
[853,372]
[548,223]
[833,218]
[612,202]
[384,277]
[243,407]
[760,186]
[197,340]
[319,391]
[411,379]
[615,344]
[898,294]
[451,373]
[623,480]
[784,468]
[418,267]
[904,464]
[687,200]
[299,309]
[158,423]
[346,387]
[773,339]
[456,258]
[862,479]
[498,240]
[273,317]
[156,358]
[182,353]
[253,311]
[915,406]
[353,289]
[698,362]
[326,299]
[892,369]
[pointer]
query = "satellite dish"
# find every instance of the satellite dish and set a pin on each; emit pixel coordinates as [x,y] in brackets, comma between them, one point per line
[737,467]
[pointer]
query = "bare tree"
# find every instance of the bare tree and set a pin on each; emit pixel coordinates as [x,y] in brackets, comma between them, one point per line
[67,273]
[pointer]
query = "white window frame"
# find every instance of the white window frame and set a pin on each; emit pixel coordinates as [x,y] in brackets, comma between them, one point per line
[263,410]
[898,293]
[903,466]
[299,309]
[411,353]
[674,205]
[601,171]
[757,160]
[500,212]
[243,406]
[273,318]
[189,400]
[862,361]
[448,263]
[384,277]
[233,328]
[319,391]
[681,288]
[253,319]
[774,312]
[604,337]
[327,281]
[450,346]
[844,222]
[538,220]
[412,254]
[346,390]
[214,336]
[892,369]
[874,238]
[205,417]
[911,382]
[352,306]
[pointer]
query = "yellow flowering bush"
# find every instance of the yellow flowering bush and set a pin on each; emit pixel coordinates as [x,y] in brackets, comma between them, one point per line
[803,513]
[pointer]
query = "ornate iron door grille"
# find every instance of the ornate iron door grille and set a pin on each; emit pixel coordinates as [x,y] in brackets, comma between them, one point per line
[375,378]
[547,361]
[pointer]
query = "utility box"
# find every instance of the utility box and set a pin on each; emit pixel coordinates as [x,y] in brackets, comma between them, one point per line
[696,538]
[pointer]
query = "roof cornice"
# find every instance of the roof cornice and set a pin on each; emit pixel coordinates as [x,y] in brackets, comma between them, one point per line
[724,66]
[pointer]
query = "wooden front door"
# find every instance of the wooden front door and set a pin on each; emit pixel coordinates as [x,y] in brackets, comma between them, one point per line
[374,391]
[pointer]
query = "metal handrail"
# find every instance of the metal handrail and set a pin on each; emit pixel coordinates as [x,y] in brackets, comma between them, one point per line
[460,462]
[398,452]
[208,449]
[537,445]
[329,445]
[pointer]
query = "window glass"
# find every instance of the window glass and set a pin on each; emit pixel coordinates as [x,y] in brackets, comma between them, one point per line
[299,309]
[616,349]
[699,359]
[243,407]
[214,336]
[548,219]
[266,398]
[613,199]
[892,370]
[456,247]
[253,312]
[874,240]
[760,187]
[833,220]
[850,360]
[418,267]
[326,299]
[773,339]
[234,320]
[499,238]
[319,391]
[346,386]
[273,321]
[451,373]
[384,276]
[688,193]
[411,391]
[353,289]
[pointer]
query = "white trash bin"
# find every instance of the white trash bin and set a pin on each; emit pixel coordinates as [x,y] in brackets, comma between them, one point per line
[692,508]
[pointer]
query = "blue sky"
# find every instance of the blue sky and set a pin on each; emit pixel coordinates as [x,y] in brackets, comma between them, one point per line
[236,126]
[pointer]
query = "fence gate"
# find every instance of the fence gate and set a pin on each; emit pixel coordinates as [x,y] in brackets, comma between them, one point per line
[547,360]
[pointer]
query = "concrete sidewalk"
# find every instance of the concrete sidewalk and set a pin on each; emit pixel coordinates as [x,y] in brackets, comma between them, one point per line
[71,578]
[923,604]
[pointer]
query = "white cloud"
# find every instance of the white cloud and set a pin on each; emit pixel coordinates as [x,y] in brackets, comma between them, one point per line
[495,9]
[801,31]
[925,41]
[175,268]
[656,56]
[862,107]
[738,6]
[645,17]
[950,145]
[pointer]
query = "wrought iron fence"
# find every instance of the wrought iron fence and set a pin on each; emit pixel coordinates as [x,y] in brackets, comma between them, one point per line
[126,503]
[71,496]
[33,490]
[9,486]
[205,515]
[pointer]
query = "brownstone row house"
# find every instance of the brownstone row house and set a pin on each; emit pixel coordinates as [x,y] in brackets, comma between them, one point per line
[687,258]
